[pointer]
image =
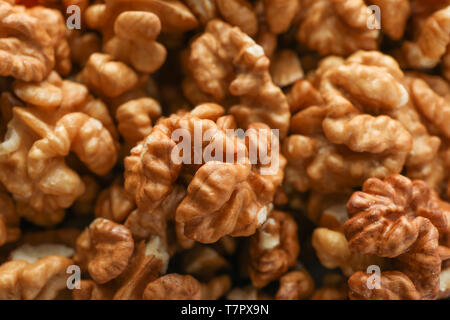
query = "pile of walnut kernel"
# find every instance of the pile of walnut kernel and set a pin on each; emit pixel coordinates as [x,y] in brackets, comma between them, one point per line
[363,179]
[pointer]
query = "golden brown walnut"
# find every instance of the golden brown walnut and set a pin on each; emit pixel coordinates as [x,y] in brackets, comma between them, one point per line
[61,117]
[431,43]
[336,26]
[402,219]
[338,145]
[226,63]
[435,108]
[108,77]
[204,10]
[174,16]
[301,95]
[239,13]
[394,16]
[145,266]
[135,43]
[55,26]
[273,249]
[104,249]
[173,287]
[280,14]
[114,203]
[333,252]
[160,222]
[285,68]
[135,118]
[42,280]
[9,219]
[295,285]
[27,50]
[211,208]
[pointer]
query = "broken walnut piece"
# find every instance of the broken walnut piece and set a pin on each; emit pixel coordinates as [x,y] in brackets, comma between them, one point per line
[42,280]
[333,251]
[273,249]
[113,203]
[104,249]
[173,286]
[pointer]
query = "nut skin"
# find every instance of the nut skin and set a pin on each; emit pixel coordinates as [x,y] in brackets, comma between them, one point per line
[328,151]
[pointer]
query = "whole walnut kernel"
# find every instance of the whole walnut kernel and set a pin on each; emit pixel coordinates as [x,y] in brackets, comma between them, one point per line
[360,131]
[58,119]
[239,69]
[135,118]
[336,27]
[402,219]
[273,249]
[108,77]
[104,249]
[27,49]
[173,287]
[211,208]
[134,41]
